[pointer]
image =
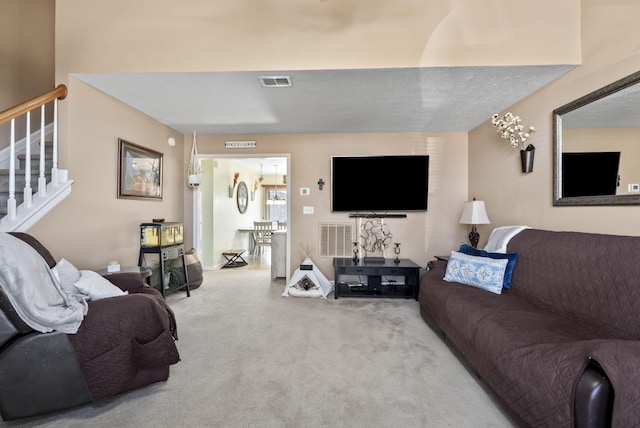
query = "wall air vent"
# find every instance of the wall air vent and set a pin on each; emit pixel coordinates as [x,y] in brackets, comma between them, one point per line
[275,81]
[336,239]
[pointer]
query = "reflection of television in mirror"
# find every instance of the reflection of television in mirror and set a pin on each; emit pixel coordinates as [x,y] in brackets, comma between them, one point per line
[590,173]
[379,183]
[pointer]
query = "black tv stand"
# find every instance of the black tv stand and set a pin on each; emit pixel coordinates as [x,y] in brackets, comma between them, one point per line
[374,215]
[388,279]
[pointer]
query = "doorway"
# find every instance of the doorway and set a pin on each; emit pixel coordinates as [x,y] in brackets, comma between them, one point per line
[219,221]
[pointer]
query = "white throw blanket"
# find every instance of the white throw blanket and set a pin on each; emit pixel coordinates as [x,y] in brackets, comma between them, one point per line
[34,292]
[500,236]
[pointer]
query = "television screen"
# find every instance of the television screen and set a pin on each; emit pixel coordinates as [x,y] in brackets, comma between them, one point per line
[590,173]
[379,183]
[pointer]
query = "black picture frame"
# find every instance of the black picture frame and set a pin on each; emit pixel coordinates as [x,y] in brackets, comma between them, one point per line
[139,172]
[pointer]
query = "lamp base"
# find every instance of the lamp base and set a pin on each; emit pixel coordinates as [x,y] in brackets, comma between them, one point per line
[474,237]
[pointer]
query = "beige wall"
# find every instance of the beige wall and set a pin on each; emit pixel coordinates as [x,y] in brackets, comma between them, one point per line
[422,235]
[609,44]
[92,226]
[26,57]
[224,35]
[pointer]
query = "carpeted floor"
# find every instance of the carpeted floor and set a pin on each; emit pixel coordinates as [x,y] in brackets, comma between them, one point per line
[251,358]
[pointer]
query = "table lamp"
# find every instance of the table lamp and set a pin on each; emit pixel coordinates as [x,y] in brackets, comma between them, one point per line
[473,212]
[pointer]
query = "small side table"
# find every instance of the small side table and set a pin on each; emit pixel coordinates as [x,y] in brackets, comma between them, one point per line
[144,272]
[234,258]
[432,263]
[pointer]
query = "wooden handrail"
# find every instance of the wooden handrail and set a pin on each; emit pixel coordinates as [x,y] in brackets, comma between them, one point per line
[60,92]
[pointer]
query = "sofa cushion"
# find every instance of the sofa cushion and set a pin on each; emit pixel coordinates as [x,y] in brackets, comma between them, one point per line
[85,282]
[95,286]
[530,358]
[481,272]
[67,275]
[585,277]
[511,257]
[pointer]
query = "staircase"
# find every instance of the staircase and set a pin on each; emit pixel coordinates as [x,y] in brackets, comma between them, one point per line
[21,180]
[30,182]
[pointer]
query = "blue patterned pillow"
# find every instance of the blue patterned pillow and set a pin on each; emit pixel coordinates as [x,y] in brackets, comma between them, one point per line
[512,257]
[480,272]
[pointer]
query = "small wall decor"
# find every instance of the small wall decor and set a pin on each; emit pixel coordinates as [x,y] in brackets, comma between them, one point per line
[236,175]
[510,128]
[139,171]
[256,183]
[242,197]
[374,239]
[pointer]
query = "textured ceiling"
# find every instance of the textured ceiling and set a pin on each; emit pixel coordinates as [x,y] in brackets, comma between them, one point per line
[617,110]
[434,99]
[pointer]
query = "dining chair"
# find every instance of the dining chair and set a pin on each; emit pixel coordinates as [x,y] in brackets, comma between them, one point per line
[261,235]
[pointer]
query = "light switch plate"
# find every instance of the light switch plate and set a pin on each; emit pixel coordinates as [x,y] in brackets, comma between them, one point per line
[307,210]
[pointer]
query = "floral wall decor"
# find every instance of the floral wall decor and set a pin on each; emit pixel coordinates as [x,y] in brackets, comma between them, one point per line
[510,128]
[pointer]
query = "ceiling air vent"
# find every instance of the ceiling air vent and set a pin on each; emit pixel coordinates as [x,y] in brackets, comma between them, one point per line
[275,81]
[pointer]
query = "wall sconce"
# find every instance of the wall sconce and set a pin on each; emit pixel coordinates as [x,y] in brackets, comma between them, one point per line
[474,212]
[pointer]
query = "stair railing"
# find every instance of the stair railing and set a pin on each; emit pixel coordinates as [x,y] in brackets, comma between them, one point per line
[25,109]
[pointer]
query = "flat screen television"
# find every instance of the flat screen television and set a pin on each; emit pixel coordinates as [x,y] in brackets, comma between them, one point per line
[590,173]
[379,184]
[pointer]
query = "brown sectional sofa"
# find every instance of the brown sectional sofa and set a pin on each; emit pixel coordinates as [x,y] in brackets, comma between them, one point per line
[561,348]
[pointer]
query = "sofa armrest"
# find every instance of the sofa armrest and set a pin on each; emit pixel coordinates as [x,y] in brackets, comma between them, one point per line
[127,281]
[39,374]
[593,401]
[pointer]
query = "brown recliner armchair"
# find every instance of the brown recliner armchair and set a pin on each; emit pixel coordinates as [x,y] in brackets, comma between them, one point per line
[123,343]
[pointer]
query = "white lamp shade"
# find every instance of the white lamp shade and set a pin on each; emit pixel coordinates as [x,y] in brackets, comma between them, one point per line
[473,212]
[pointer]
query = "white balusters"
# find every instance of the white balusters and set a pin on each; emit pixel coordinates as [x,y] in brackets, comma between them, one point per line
[23,208]
[42,179]
[28,192]
[40,155]
[11,202]
[54,168]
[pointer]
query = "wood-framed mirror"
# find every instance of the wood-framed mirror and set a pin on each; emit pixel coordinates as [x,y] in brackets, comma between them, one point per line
[596,152]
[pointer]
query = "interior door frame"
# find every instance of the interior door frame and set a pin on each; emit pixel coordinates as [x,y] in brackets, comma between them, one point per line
[197,215]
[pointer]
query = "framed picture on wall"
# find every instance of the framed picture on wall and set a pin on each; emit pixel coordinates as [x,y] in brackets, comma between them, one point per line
[139,171]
